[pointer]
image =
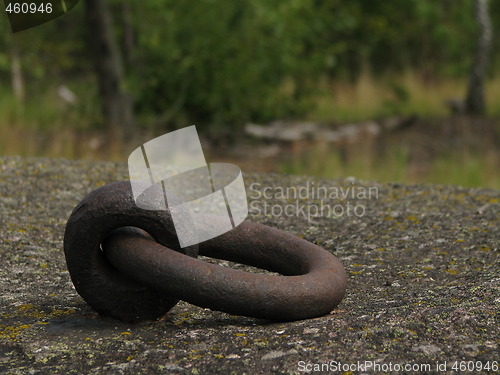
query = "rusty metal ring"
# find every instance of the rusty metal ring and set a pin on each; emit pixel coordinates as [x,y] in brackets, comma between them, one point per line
[314,281]
[105,289]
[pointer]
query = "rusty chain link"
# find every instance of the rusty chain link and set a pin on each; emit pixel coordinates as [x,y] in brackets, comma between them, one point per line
[126,262]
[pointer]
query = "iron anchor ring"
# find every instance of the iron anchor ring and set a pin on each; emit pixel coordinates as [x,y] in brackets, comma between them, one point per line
[145,274]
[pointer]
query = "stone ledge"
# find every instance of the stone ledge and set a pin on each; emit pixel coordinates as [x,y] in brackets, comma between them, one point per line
[423,265]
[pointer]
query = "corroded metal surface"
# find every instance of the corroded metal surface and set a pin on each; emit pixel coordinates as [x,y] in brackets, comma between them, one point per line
[140,277]
[105,289]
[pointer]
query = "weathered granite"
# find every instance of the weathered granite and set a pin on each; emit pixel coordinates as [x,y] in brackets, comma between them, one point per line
[424,280]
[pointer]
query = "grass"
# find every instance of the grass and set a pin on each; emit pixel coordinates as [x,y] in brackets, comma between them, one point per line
[45,126]
[459,151]
[324,162]
[467,170]
[473,170]
[402,94]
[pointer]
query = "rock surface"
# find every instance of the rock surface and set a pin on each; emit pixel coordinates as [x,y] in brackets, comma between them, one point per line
[423,265]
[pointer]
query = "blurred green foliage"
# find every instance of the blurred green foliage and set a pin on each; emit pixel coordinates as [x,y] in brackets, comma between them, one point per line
[221,63]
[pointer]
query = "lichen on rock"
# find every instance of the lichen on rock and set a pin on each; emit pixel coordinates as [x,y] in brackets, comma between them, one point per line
[423,265]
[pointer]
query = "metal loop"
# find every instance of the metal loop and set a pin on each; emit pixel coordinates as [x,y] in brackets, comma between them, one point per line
[105,289]
[314,284]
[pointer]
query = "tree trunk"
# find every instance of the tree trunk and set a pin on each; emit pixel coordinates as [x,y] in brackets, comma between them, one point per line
[128,32]
[117,105]
[16,73]
[474,102]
